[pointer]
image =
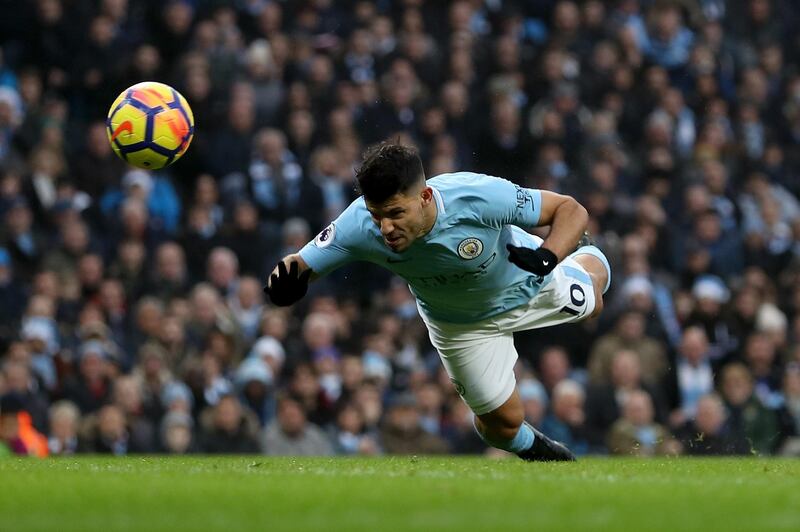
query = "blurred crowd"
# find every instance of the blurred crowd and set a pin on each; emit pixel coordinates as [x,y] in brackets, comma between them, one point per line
[132,318]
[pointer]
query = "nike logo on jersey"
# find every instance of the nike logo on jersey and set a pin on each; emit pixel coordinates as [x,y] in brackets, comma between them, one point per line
[545,262]
[390,260]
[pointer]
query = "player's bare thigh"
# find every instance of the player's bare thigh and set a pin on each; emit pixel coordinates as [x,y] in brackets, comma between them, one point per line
[597,271]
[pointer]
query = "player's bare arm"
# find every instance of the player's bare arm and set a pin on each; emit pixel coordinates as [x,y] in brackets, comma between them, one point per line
[567,220]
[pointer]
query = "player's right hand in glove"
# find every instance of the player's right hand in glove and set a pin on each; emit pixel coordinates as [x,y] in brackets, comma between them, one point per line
[540,261]
[287,287]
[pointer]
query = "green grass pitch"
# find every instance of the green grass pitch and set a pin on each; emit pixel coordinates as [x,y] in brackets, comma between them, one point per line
[397,493]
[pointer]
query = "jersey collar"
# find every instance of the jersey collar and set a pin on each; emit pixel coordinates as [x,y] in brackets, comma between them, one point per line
[440,211]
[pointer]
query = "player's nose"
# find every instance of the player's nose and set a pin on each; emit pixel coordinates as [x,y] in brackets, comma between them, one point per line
[386,227]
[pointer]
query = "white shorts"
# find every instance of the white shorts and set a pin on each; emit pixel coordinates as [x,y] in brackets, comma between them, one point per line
[480,356]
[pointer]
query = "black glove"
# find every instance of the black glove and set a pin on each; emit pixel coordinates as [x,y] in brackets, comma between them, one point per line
[540,261]
[287,287]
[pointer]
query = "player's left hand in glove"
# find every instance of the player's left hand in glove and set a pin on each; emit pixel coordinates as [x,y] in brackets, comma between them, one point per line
[540,261]
[287,287]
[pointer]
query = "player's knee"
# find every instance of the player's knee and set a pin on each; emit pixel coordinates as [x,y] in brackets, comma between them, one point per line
[598,302]
[599,279]
[597,270]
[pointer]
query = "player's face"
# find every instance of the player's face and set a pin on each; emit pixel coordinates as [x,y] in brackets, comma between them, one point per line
[402,218]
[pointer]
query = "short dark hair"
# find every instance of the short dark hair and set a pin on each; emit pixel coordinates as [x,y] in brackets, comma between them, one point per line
[388,169]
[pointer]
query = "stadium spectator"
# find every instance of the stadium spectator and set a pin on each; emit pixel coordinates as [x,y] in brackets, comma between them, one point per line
[271,352]
[460,429]
[710,294]
[95,166]
[230,146]
[22,239]
[628,334]
[245,239]
[114,306]
[789,413]
[292,434]
[19,381]
[307,389]
[12,294]
[430,404]
[746,414]
[534,400]
[177,397]
[64,422]
[368,399]
[148,314]
[567,418]
[206,311]
[227,429]
[254,380]
[39,333]
[90,389]
[277,182]
[176,436]
[605,402]
[690,378]
[402,432]
[641,294]
[636,433]
[127,397]
[105,432]
[761,356]
[741,316]
[169,279]
[295,232]
[151,377]
[247,306]
[507,149]
[554,367]
[129,267]
[352,371]
[223,271]
[63,260]
[11,441]
[350,437]
[710,433]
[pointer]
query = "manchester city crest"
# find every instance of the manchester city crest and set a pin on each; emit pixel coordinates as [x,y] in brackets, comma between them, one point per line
[459,387]
[469,248]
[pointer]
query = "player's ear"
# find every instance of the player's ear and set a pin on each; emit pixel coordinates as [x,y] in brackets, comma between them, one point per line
[426,195]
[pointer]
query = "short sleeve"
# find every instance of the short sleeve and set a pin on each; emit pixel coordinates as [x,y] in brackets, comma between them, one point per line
[504,203]
[336,245]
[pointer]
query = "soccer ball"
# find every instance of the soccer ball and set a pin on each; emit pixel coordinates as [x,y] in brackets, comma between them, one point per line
[150,125]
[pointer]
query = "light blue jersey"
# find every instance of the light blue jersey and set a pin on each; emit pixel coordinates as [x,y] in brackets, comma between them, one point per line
[459,272]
